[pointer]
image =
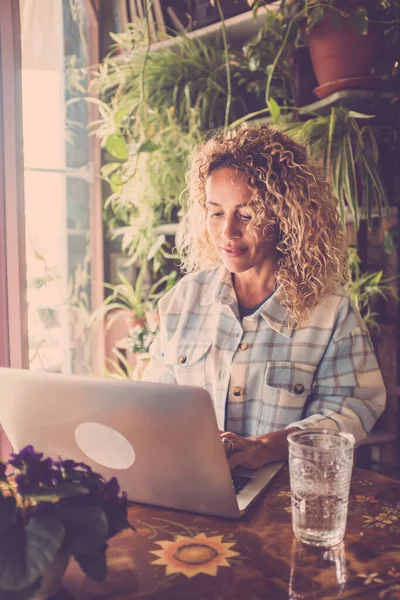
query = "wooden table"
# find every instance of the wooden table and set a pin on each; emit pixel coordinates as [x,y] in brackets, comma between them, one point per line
[181,556]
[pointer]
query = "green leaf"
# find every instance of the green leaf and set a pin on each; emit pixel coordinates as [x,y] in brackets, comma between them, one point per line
[116,183]
[350,181]
[357,115]
[332,122]
[25,553]
[155,247]
[147,146]
[340,177]
[120,115]
[109,168]
[358,20]
[61,490]
[86,528]
[274,109]
[116,146]
[8,511]
[391,239]
[94,565]
[313,17]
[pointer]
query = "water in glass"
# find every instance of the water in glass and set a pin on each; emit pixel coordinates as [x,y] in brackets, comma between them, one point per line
[320,464]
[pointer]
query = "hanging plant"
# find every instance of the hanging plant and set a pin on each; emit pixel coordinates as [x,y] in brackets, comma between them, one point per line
[347,144]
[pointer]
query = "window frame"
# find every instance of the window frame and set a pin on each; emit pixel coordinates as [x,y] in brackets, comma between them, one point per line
[13,309]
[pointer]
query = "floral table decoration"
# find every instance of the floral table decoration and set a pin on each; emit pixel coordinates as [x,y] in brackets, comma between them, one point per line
[51,511]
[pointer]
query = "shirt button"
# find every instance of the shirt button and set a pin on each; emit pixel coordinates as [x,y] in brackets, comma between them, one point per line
[243,345]
[182,359]
[298,388]
[237,391]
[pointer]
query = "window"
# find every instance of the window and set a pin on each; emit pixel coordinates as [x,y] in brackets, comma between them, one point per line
[62,199]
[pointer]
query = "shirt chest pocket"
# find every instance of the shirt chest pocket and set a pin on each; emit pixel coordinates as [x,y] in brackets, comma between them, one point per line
[293,380]
[287,387]
[188,360]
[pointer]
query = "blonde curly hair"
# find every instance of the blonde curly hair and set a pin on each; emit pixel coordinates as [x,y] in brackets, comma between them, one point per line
[290,192]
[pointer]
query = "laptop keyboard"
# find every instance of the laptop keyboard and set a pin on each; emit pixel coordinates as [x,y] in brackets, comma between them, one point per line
[240,482]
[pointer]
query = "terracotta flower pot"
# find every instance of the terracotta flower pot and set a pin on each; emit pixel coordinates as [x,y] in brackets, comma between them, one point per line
[51,582]
[134,321]
[340,54]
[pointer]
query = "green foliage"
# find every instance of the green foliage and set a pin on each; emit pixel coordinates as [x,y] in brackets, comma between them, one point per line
[349,152]
[119,367]
[365,288]
[391,239]
[124,295]
[133,297]
[154,108]
[193,75]
[139,339]
[169,164]
[260,52]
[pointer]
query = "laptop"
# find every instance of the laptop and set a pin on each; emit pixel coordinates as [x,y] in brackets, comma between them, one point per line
[161,441]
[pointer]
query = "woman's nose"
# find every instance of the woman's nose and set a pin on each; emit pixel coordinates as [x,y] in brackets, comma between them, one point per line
[230,230]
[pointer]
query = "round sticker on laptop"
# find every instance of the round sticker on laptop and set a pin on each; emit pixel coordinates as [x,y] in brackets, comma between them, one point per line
[105,445]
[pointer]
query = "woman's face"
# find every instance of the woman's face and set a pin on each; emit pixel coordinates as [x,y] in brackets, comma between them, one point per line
[239,246]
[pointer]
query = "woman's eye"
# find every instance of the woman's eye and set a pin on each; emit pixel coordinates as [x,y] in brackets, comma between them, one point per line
[245,217]
[216,214]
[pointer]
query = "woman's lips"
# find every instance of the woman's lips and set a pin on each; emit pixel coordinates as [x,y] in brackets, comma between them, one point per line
[233,252]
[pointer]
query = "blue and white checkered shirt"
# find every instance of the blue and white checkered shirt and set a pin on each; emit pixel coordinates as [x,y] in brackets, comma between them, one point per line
[262,374]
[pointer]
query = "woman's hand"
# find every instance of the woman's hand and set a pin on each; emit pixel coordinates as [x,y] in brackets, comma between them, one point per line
[255,452]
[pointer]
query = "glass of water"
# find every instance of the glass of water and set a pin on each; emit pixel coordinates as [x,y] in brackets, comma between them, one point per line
[320,466]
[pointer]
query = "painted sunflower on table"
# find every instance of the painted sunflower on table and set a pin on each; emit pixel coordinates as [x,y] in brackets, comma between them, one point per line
[191,556]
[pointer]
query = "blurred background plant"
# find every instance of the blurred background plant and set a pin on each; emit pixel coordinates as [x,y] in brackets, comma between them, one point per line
[139,339]
[346,142]
[365,288]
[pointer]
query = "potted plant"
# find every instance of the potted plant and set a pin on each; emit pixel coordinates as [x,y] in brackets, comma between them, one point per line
[125,300]
[343,37]
[51,511]
[127,308]
[346,142]
[138,342]
[136,303]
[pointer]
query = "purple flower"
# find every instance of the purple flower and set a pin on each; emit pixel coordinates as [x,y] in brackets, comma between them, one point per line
[34,471]
[41,472]
[3,469]
[26,455]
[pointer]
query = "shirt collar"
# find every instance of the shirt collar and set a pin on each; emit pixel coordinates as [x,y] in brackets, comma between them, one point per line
[220,290]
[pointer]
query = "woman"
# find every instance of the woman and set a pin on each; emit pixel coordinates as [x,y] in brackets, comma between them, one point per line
[262,320]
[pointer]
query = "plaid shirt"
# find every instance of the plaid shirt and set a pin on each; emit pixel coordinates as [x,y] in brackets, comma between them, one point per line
[262,374]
